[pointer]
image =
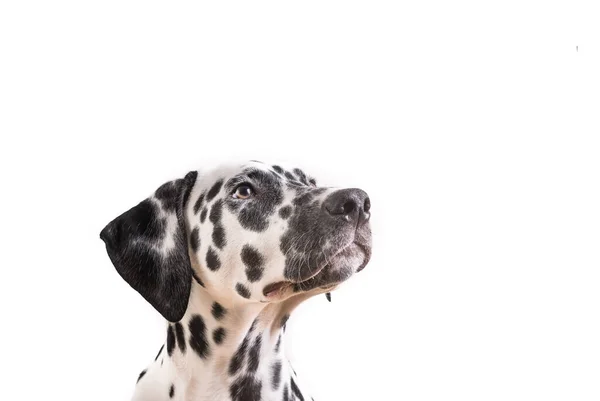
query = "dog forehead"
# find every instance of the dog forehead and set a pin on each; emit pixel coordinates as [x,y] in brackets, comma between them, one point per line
[284,172]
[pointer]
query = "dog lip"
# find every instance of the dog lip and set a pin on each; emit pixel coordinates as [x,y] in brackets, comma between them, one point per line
[273,288]
[278,287]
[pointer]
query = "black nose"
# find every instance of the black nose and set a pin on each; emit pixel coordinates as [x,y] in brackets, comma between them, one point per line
[352,204]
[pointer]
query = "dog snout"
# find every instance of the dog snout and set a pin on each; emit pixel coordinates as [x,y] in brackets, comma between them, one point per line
[353,205]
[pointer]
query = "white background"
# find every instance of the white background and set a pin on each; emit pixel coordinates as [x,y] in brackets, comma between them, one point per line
[474,126]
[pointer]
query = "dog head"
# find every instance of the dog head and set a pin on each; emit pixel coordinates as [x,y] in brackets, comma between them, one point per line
[251,232]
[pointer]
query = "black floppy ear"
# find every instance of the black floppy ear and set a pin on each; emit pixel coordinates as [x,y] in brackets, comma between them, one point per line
[148,246]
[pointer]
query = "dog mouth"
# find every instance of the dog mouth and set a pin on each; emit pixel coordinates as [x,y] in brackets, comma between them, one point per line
[339,268]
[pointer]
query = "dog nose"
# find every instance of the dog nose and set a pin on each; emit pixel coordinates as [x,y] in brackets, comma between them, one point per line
[352,204]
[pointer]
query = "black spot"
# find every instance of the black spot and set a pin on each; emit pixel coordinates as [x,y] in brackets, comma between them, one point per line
[170,340]
[141,375]
[198,340]
[218,236]
[253,325]
[162,279]
[285,212]
[195,239]
[245,388]
[254,355]
[278,169]
[167,194]
[306,253]
[296,391]
[172,391]
[159,352]
[254,263]
[284,320]
[253,219]
[219,335]
[300,174]
[216,212]
[149,226]
[203,215]
[290,176]
[286,393]
[238,358]
[197,278]
[162,361]
[312,181]
[255,212]
[275,375]
[242,290]
[180,336]
[328,296]
[278,344]
[198,203]
[212,260]
[303,199]
[214,190]
[218,311]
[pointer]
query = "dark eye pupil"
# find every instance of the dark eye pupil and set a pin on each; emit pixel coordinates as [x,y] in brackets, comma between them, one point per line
[244,191]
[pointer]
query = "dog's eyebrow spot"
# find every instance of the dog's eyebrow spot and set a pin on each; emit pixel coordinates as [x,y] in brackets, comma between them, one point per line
[214,190]
[242,290]
[237,180]
[254,214]
[198,340]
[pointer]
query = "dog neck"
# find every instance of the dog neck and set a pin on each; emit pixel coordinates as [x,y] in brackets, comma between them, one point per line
[224,351]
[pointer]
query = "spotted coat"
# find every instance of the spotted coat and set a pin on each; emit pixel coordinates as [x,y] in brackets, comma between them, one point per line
[225,256]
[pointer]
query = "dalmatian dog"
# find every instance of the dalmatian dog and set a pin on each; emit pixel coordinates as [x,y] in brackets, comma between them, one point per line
[225,256]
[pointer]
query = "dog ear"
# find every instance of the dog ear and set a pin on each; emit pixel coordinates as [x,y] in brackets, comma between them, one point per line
[149,248]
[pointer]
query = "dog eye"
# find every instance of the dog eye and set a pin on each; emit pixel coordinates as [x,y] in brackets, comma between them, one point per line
[244,191]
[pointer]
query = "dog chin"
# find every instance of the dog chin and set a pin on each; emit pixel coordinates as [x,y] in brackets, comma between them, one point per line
[339,268]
